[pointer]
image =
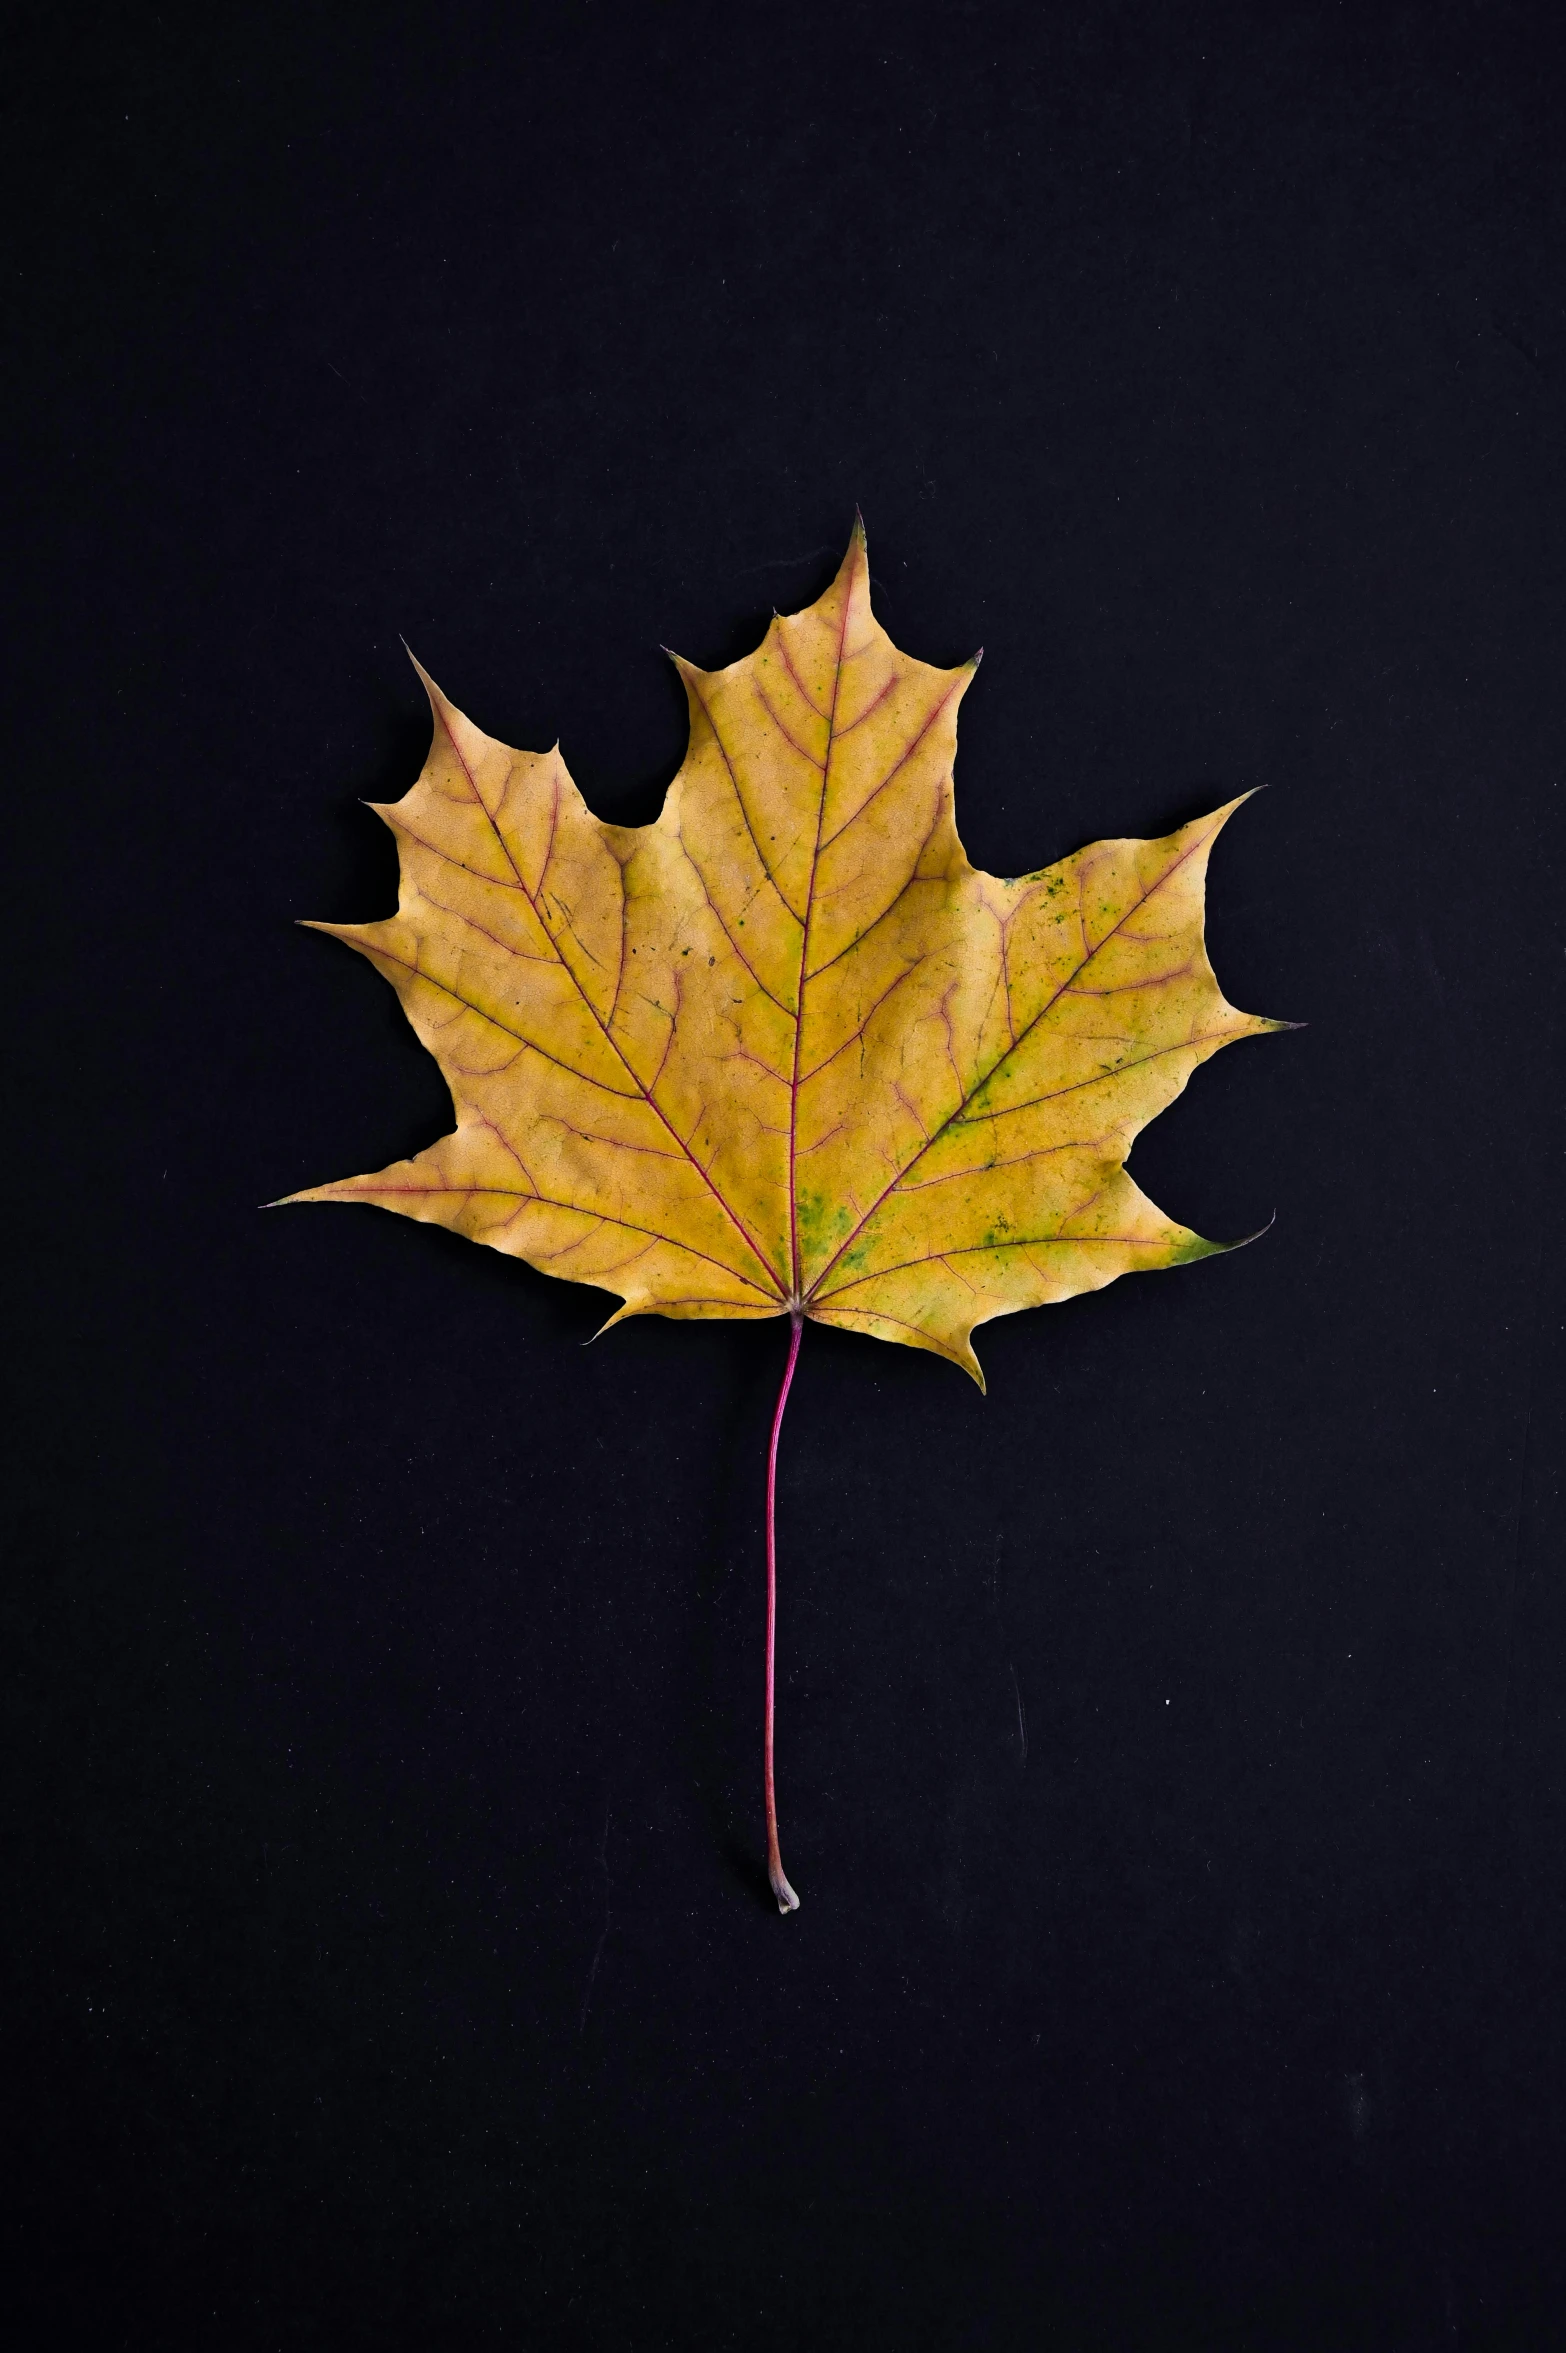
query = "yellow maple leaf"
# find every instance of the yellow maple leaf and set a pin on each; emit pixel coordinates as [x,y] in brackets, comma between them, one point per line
[785,1051]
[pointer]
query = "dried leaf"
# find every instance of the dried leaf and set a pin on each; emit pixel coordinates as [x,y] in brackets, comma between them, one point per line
[786,1052]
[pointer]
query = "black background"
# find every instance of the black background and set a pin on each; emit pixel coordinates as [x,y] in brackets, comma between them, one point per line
[1170,1745]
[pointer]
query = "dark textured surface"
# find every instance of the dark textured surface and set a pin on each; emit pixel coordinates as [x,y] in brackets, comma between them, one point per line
[1171,1746]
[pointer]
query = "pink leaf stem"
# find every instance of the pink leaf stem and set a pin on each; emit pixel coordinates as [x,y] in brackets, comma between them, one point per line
[788,1901]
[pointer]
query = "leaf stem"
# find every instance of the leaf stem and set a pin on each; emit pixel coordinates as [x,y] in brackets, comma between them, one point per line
[788,1901]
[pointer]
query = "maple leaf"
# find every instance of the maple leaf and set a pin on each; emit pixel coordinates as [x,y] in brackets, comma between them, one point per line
[785,1051]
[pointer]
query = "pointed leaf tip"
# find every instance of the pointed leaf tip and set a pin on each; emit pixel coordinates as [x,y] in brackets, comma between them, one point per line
[1246,1240]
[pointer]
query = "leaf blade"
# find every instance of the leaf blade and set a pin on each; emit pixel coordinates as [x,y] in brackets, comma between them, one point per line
[786,1049]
